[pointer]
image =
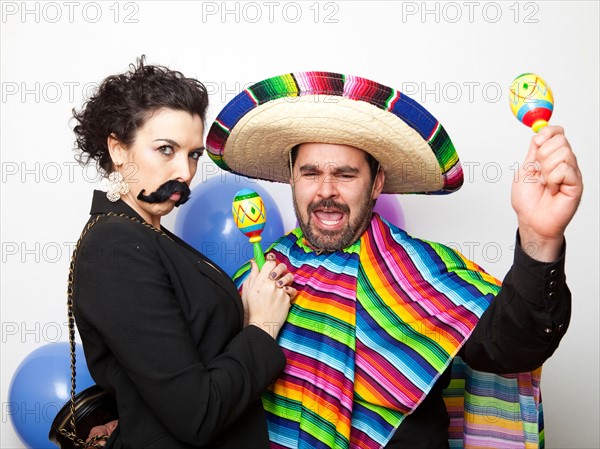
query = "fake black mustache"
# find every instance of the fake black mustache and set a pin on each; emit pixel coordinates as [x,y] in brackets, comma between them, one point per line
[164,192]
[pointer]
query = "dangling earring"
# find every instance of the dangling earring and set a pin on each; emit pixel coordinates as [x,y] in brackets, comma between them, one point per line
[116,187]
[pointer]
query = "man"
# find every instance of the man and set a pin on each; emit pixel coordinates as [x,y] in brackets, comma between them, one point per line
[381,317]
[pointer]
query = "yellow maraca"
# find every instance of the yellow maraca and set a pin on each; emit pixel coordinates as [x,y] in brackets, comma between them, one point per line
[531,100]
[250,217]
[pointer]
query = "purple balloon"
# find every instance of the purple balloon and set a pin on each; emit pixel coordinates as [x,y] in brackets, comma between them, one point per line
[388,206]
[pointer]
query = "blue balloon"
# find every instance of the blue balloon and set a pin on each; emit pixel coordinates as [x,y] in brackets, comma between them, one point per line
[40,387]
[206,222]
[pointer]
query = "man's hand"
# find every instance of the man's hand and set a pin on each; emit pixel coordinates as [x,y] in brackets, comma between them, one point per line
[546,194]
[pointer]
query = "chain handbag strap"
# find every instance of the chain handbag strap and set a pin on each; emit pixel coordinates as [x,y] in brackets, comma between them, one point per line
[72,434]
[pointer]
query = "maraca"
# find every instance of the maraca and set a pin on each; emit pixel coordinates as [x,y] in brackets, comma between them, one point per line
[531,101]
[250,217]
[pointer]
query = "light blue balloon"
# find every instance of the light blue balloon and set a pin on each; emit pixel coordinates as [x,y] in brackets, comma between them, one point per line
[206,222]
[40,386]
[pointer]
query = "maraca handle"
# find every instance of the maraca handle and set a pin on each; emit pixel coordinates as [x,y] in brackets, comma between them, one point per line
[538,125]
[259,256]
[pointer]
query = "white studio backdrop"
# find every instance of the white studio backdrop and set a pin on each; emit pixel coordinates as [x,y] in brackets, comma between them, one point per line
[456,58]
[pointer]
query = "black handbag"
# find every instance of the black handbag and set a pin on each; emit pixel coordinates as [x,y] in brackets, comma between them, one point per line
[91,407]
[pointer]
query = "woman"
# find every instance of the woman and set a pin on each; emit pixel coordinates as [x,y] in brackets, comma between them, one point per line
[164,329]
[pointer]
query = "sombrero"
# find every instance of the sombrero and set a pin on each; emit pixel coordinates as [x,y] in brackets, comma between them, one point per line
[255,131]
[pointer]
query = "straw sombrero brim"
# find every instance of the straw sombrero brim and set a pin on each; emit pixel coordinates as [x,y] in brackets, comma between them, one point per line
[254,133]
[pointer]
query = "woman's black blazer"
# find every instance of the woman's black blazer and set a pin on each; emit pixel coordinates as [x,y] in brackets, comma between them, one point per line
[161,328]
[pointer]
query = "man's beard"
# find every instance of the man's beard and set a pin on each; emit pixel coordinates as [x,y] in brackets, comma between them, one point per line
[328,240]
[164,192]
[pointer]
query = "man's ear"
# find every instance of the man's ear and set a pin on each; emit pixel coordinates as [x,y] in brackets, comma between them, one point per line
[116,150]
[378,184]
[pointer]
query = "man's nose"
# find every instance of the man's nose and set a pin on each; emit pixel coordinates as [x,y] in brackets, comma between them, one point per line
[327,186]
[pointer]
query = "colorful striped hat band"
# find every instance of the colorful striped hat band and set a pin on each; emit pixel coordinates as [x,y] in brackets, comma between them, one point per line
[255,131]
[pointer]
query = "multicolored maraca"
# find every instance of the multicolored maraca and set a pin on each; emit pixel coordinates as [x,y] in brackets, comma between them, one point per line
[250,217]
[531,100]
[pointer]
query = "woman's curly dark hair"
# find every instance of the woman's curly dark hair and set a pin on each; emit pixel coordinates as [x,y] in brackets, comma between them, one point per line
[123,103]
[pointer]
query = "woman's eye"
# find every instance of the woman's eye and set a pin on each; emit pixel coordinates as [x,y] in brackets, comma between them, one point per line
[166,150]
[195,155]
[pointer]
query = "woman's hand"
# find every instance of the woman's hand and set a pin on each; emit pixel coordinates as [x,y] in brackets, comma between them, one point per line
[103,430]
[267,296]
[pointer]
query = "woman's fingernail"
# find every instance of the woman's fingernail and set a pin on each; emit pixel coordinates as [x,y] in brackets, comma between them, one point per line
[279,283]
[273,275]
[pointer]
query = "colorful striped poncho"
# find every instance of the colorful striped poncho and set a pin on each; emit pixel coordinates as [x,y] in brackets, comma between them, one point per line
[372,329]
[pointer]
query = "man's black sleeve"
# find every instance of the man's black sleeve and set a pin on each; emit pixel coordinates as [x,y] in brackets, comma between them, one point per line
[526,321]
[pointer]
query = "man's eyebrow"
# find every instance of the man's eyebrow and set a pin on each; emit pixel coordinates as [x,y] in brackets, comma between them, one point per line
[346,169]
[329,165]
[308,167]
